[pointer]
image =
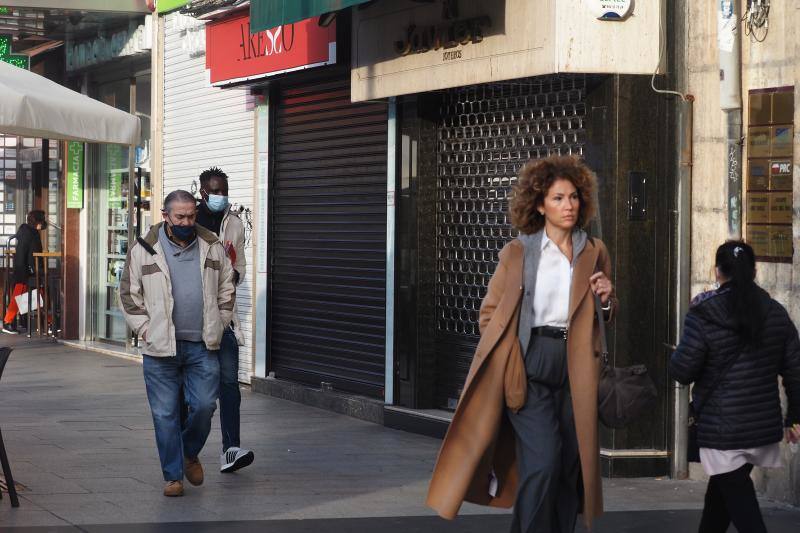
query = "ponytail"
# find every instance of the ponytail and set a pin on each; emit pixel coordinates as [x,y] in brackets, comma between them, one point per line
[737,262]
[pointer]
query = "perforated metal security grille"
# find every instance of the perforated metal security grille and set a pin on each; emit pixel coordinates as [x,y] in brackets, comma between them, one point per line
[487,133]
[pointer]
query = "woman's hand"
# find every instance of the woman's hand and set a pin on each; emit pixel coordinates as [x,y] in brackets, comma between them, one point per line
[793,434]
[601,286]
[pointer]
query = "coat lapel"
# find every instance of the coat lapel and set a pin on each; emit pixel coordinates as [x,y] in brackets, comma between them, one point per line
[504,315]
[533,254]
[583,266]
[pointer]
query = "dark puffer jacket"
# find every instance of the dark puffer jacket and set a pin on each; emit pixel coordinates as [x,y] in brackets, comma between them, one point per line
[744,411]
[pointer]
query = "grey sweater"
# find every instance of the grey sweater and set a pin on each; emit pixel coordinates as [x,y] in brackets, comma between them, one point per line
[187,288]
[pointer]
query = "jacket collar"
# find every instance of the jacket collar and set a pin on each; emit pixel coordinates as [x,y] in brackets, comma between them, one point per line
[534,242]
[583,263]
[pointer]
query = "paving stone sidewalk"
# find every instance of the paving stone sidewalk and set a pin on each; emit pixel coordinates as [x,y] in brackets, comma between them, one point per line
[79,434]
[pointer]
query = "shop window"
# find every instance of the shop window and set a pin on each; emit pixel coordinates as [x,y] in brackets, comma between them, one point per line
[770,164]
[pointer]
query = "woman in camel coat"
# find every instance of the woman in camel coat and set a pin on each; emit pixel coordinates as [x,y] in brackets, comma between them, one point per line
[525,430]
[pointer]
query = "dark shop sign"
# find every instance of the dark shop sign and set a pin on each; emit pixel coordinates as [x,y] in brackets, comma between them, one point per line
[422,39]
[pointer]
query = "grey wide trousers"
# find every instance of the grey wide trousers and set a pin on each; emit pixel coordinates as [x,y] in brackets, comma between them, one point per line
[548,463]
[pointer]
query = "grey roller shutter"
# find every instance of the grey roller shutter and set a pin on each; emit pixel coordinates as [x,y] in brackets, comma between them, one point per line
[207,126]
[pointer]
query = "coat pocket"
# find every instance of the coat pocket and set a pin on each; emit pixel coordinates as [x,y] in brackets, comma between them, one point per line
[515,380]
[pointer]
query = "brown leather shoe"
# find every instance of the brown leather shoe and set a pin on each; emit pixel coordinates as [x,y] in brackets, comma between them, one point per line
[173,489]
[193,471]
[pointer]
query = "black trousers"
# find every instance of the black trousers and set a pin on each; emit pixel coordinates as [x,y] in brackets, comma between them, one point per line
[549,493]
[731,497]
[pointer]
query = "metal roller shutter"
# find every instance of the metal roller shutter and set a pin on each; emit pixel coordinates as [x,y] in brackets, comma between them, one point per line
[487,132]
[328,237]
[207,126]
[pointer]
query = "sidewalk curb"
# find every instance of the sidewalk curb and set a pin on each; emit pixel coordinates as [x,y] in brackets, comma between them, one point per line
[359,407]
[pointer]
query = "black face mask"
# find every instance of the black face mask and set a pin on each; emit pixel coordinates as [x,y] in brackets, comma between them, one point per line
[44,225]
[184,233]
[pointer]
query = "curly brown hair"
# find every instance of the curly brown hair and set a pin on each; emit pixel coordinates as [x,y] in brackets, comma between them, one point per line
[536,178]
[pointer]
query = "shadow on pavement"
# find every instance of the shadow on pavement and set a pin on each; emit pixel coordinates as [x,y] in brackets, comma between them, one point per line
[778,521]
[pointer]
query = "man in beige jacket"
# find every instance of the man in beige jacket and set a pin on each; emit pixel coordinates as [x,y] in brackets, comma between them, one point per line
[177,295]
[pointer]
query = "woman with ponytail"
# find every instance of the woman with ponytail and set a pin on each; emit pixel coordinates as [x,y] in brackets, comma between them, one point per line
[736,341]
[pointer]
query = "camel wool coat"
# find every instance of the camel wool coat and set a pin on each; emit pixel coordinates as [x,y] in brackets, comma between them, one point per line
[480,441]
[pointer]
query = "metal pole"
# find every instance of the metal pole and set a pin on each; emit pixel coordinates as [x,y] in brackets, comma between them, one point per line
[680,464]
[391,177]
[261,328]
[30,304]
[36,286]
[730,87]
[46,290]
[131,198]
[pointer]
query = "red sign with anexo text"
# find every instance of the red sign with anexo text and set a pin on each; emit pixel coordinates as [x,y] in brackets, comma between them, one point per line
[234,55]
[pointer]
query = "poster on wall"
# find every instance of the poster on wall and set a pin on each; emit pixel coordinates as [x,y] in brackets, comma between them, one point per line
[74,175]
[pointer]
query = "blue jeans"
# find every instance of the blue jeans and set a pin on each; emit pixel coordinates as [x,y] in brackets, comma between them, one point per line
[196,369]
[230,398]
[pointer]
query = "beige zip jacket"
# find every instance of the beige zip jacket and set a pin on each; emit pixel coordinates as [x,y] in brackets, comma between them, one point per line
[232,230]
[145,293]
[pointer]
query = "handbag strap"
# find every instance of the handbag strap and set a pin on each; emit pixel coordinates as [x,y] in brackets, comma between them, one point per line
[601,322]
[717,381]
[598,309]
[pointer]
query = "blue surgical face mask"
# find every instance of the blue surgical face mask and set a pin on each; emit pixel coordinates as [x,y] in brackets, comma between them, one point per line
[183,233]
[217,202]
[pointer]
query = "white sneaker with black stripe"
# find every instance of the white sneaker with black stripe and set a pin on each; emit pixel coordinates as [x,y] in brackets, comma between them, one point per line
[235,458]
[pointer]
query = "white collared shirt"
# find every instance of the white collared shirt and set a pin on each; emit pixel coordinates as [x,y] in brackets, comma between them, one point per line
[553,282]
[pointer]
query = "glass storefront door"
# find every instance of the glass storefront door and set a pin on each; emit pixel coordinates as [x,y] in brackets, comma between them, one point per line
[110,206]
[142,191]
[120,207]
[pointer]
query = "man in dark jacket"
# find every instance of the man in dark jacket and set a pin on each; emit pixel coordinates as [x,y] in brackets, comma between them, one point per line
[214,214]
[28,243]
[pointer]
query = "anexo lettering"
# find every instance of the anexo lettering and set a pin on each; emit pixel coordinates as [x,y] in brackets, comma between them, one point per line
[450,56]
[264,43]
[420,40]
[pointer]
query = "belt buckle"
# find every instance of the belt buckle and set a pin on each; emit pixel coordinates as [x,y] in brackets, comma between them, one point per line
[564,333]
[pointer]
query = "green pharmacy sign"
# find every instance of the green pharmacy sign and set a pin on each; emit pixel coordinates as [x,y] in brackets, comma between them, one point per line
[6,56]
[17,60]
[74,175]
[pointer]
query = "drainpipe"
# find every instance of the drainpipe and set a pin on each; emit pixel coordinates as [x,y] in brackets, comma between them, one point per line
[683,224]
[680,464]
[730,92]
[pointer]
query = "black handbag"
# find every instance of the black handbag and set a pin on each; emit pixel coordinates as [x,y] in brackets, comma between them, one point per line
[624,393]
[692,447]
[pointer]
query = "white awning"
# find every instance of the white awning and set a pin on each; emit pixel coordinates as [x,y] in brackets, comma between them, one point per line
[33,106]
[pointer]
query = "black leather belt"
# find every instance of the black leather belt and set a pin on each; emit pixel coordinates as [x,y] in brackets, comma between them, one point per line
[550,331]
